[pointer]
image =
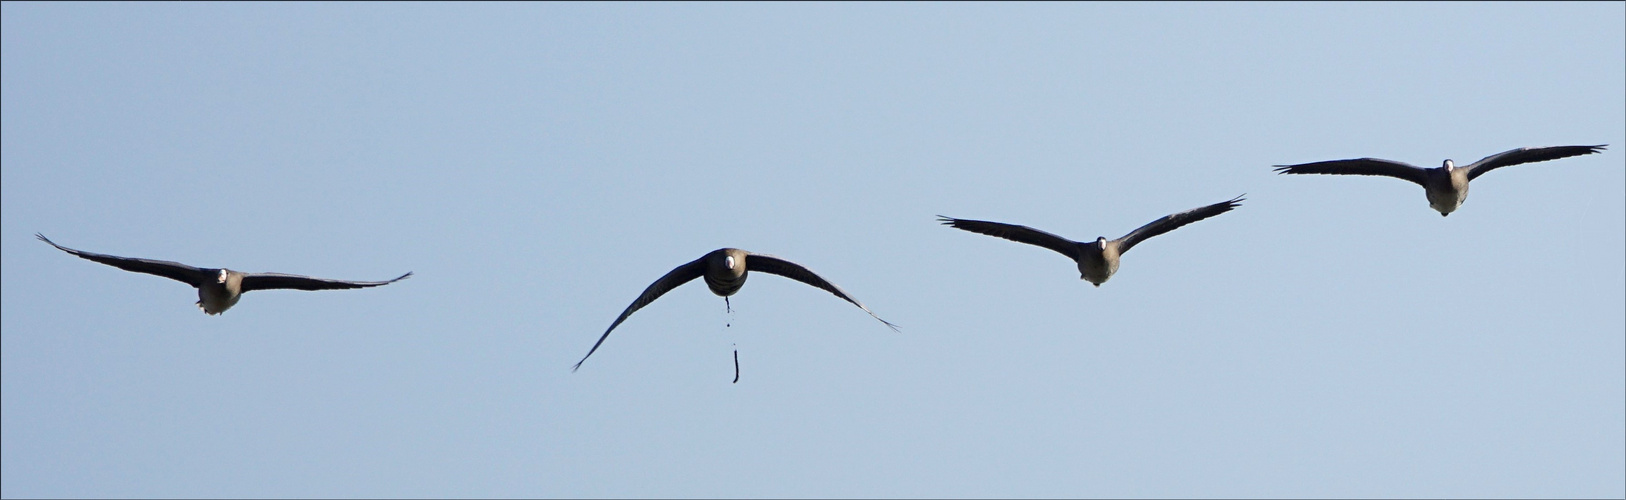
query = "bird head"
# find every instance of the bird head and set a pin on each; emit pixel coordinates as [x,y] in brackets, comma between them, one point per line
[1449,165]
[728,262]
[222,277]
[1101,243]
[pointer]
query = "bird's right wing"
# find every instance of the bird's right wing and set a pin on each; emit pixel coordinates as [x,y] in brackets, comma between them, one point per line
[172,270]
[1019,234]
[1360,166]
[682,274]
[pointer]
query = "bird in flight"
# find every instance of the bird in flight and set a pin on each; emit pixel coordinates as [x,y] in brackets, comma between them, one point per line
[725,270]
[218,289]
[1098,259]
[1446,186]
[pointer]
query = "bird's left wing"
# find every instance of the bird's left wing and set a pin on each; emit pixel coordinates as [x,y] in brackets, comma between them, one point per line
[774,265]
[269,281]
[1173,221]
[1527,155]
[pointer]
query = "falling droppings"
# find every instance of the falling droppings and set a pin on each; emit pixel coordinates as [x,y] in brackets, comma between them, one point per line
[736,366]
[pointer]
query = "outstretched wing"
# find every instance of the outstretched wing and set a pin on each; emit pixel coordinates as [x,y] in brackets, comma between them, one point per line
[1527,155]
[172,270]
[774,265]
[1173,221]
[1013,232]
[683,274]
[1360,166]
[271,281]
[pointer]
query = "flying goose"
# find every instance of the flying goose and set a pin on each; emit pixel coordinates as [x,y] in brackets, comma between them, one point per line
[1097,260]
[725,271]
[218,289]
[1446,186]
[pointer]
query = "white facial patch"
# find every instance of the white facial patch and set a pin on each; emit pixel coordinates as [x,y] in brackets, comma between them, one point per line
[729,261]
[222,278]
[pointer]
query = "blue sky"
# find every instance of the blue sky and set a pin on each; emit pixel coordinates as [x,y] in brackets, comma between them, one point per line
[537,165]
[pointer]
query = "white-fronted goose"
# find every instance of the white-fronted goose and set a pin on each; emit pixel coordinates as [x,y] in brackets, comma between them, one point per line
[725,270]
[219,289]
[1097,260]
[1446,186]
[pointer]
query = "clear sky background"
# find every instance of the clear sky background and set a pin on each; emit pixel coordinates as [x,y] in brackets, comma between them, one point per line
[537,166]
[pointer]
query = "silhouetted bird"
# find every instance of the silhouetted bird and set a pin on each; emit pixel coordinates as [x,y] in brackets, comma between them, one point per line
[1446,186]
[219,289]
[725,270]
[1097,260]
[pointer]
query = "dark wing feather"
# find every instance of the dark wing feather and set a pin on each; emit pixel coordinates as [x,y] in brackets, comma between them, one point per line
[172,270]
[1019,234]
[682,274]
[1361,166]
[272,281]
[1173,221]
[774,265]
[1527,155]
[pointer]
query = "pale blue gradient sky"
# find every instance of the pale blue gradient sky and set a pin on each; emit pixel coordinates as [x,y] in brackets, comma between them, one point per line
[537,166]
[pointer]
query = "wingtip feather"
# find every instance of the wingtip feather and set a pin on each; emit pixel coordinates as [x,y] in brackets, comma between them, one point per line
[889,324]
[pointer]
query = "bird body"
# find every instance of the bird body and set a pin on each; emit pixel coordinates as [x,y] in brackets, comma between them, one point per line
[215,297]
[724,271]
[1098,260]
[1446,187]
[218,289]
